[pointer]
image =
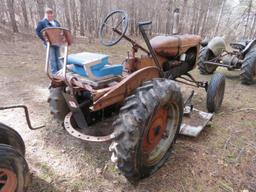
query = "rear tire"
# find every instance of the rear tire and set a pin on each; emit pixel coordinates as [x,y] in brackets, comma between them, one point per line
[146,128]
[248,69]
[11,137]
[215,92]
[205,55]
[58,106]
[14,170]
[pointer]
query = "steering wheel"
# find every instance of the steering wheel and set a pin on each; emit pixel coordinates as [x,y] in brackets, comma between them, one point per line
[113,28]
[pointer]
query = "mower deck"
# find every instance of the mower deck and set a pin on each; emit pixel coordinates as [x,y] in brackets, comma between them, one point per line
[194,122]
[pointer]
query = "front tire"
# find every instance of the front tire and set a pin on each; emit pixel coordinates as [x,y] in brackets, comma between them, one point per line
[146,128]
[14,172]
[206,55]
[215,92]
[248,69]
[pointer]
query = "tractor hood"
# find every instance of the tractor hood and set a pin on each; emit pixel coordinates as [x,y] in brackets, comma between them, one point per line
[171,46]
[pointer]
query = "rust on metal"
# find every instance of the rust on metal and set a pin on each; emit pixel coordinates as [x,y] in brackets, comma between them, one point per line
[8,180]
[72,131]
[167,46]
[156,130]
[57,36]
[195,122]
[119,92]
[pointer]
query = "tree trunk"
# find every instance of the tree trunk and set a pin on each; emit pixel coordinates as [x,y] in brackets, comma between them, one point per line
[205,19]
[74,16]
[183,19]
[82,11]
[168,18]
[132,15]
[40,8]
[219,18]
[25,13]
[192,25]
[4,13]
[253,26]
[197,26]
[248,18]
[67,14]
[10,5]
[32,17]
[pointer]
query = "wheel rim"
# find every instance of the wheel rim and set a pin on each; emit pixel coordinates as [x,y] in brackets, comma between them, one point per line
[8,180]
[160,134]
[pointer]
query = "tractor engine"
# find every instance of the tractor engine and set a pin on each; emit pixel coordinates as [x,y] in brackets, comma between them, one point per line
[177,66]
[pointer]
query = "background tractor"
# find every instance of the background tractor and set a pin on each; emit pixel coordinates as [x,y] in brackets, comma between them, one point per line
[243,56]
[14,171]
[142,91]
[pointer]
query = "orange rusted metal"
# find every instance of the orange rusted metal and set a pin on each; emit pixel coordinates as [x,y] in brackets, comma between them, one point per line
[58,36]
[134,63]
[8,180]
[120,91]
[167,46]
[156,130]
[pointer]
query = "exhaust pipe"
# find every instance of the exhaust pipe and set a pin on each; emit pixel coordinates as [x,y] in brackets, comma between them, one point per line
[176,22]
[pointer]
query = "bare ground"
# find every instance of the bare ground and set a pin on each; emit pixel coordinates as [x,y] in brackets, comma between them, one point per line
[222,158]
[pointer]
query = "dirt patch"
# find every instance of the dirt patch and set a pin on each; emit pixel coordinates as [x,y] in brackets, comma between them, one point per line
[222,158]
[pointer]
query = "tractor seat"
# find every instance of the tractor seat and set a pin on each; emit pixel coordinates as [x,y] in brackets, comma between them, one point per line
[171,46]
[93,66]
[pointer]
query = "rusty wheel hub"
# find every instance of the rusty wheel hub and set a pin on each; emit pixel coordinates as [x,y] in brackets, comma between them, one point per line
[8,180]
[160,134]
[157,130]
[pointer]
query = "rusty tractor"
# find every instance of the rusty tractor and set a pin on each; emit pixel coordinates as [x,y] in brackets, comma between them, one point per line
[14,170]
[242,56]
[143,91]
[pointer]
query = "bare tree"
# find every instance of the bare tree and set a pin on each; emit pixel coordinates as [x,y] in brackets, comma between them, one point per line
[10,5]
[192,25]
[66,8]
[248,17]
[25,13]
[219,17]
[253,26]
[168,17]
[82,18]
[205,18]
[40,8]
[198,18]
[184,15]
[74,16]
